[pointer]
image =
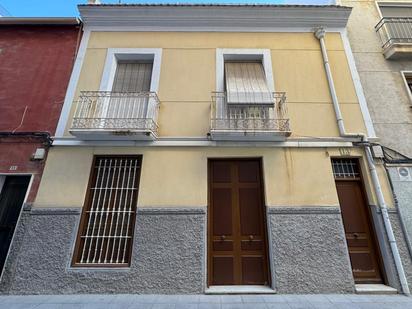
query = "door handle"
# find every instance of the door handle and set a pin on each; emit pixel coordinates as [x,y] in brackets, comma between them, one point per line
[222,238]
[251,237]
[356,235]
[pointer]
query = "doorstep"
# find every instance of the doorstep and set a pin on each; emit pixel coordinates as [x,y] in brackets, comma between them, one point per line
[240,289]
[374,289]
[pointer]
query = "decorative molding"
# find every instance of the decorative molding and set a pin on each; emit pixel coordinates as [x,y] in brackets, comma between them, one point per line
[171,210]
[204,142]
[300,210]
[214,18]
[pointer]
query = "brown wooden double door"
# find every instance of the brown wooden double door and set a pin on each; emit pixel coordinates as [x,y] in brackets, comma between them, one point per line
[363,249]
[237,245]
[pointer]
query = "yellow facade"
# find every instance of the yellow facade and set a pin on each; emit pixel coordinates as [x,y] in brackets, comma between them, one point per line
[177,176]
[188,77]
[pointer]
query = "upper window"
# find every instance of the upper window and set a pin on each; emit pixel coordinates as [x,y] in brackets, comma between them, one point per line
[105,234]
[132,76]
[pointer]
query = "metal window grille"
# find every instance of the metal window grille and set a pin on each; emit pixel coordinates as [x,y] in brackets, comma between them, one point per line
[345,168]
[106,228]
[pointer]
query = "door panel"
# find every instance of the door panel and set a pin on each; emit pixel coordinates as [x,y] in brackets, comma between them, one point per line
[237,233]
[363,250]
[11,201]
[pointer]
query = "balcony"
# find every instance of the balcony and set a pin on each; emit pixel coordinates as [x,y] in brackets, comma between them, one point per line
[396,36]
[126,115]
[249,121]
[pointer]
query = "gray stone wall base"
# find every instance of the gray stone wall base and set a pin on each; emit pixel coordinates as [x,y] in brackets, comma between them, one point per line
[167,256]
[309,250]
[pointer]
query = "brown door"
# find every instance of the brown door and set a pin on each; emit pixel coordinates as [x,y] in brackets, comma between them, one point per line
[363,250]
[237,233]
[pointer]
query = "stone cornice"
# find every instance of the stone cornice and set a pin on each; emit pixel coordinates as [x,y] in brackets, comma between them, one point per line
[214,18]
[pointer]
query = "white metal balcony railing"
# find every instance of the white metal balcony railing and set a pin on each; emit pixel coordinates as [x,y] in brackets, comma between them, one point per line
[392,30]
[251,117]
[121,112]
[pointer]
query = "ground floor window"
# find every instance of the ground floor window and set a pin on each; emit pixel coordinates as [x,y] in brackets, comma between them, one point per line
[107,222]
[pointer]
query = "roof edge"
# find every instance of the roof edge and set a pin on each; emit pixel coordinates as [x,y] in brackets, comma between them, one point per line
[213,17]
[52,21]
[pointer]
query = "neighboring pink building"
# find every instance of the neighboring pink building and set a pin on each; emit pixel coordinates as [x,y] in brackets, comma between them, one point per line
[36,56]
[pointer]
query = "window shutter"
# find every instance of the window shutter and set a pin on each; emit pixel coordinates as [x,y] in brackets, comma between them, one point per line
[246,84]
[132,77]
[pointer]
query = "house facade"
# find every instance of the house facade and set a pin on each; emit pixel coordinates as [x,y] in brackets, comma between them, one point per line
[37,57]
[380,37]
[211,149]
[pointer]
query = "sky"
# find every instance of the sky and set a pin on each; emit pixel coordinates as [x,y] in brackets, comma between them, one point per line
[64,8]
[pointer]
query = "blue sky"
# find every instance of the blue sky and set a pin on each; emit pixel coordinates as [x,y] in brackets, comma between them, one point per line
[46,8]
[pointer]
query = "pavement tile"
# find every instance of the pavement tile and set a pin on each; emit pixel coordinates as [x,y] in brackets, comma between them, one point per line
[278,306]
[139,306]
[338,298]
[187,306]
[59,306]
[105,306]
[293,298]
[141,299]
[164,306]
[215,299]
[316,298]
[18,306]
[253,299]
[165,299]
[347,306]
[319,305]
[300,305]
[231,299]
[233,306]
[274,299]
[209,306]
[188,299]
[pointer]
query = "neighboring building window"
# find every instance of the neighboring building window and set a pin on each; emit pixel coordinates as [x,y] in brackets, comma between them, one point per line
[105,235]
[397,22]
[407,79]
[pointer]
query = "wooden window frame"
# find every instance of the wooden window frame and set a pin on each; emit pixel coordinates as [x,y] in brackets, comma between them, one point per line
[86,206]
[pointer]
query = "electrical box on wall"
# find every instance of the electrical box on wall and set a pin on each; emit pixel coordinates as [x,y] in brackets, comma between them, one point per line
[39,154]
[405,173]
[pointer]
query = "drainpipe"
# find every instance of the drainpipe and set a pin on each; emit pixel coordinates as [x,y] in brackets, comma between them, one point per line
[320,35]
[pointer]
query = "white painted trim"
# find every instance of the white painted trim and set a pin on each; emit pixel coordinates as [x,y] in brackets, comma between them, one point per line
[21,211]
[319,142]
[223,54]
[358,86]
[404,74]
[113,54]
[71,88]
[206,29]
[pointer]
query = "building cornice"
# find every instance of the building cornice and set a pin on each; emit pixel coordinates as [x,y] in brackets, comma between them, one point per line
[214,17]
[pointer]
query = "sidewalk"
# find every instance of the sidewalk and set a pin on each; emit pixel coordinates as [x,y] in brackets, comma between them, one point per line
[205,301]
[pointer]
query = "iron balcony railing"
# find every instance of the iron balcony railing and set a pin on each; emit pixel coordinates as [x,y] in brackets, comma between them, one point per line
[249,117]
[116,111]
[392,30]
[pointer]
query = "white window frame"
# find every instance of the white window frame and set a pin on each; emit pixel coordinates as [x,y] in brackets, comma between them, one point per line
[226,54]
[116,54]
[404,75]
